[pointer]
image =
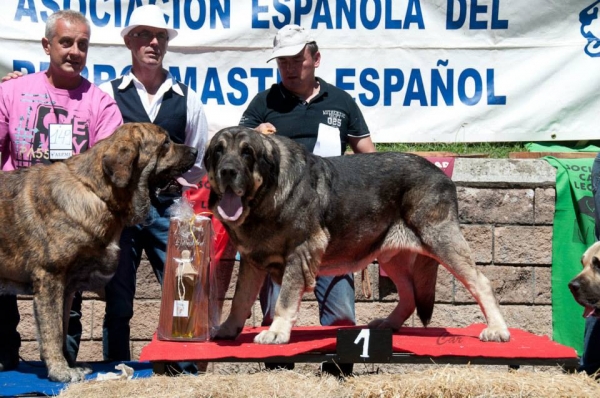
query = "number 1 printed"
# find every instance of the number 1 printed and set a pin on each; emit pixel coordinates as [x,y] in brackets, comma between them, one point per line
[364,334]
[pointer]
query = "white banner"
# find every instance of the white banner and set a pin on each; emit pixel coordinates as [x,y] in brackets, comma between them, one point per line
[421,71]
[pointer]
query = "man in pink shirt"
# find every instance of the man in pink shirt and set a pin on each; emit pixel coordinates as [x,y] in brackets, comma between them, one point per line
[46,117]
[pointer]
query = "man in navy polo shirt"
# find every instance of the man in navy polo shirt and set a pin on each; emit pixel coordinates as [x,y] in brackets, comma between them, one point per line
[325,119]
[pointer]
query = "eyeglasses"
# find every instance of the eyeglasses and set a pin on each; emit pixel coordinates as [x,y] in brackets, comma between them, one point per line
[148,36]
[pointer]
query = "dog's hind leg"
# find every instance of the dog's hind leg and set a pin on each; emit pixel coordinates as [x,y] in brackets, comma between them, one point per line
[48,305]
[68,303]
[399,269]
[449,246]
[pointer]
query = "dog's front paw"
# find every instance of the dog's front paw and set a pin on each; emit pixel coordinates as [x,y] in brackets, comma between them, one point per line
[85,367]
[228,331]
[271,337]
[65,374]
[383,323]
[495,334]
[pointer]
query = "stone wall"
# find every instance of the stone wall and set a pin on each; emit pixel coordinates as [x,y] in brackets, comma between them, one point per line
[506,211]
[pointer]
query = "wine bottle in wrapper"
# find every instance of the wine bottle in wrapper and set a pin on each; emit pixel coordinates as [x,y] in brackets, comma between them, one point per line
[189,311]
[183,307]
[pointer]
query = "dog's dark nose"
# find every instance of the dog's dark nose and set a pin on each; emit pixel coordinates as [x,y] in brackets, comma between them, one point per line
[574,286]
[228,173]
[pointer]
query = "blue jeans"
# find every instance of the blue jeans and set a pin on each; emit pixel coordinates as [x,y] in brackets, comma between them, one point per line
[590,359]
[10,339]
[150,236]
[335,295]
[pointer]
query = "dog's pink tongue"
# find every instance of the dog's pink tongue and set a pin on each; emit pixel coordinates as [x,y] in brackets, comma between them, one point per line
[230,206]
[588,311]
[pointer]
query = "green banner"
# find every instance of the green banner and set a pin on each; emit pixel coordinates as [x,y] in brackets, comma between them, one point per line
[568,146]
[573,233]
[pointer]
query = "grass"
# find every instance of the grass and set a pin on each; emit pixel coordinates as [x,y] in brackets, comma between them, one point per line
[492,149]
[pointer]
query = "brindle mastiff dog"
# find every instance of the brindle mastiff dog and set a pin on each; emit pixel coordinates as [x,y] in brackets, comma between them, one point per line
[296,215]
[585,287]
[61,224]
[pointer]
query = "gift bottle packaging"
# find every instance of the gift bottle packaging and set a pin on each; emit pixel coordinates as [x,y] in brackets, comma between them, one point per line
[189,310]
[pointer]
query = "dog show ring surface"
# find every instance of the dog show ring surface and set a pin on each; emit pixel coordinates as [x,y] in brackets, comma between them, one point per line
[409,345]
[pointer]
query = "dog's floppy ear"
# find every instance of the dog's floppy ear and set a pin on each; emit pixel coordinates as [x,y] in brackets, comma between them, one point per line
[117,162]
[213,151]
[207,159]
[268,164]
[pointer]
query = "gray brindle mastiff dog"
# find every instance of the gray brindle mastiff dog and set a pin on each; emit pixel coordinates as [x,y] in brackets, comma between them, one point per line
[296,215]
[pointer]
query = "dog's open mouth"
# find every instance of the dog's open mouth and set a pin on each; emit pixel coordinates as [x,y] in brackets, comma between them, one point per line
[590,311]
[230,207]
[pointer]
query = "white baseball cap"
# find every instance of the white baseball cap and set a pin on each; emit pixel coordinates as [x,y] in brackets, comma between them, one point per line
[289,41]
[148,15]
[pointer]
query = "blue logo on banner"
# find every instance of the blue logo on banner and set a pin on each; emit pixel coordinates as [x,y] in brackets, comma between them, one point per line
[590,29]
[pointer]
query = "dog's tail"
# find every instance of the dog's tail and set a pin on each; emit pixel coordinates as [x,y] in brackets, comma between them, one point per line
[424,279]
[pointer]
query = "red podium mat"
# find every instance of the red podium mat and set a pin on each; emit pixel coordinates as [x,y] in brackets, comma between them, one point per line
[409,345]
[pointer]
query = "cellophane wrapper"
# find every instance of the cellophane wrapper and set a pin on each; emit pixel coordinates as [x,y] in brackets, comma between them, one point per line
[189,308]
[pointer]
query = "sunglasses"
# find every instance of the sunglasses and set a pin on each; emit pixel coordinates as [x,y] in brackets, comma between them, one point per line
[148,36]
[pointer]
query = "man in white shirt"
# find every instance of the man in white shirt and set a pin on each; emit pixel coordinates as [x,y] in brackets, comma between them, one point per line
[149,93]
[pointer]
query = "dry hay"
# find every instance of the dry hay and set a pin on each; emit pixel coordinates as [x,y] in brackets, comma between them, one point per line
[438,381]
